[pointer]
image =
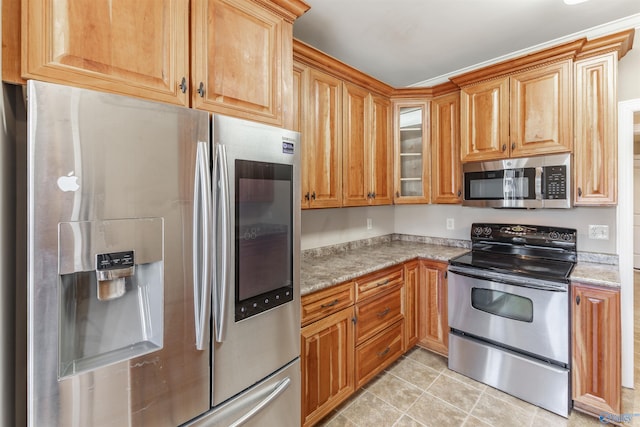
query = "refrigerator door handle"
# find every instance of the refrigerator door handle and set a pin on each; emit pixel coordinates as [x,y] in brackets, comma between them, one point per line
[220,291]
[201,243]
[279,389]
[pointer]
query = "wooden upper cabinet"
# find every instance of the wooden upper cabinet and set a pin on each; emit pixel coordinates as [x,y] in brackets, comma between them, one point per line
[411,151]
[525,114]
[322,132]
[138,48]
[241,55]
[356,166]
[541,110]
[596,161]
[596,349]
[484,120]
[367,148]
[446,170]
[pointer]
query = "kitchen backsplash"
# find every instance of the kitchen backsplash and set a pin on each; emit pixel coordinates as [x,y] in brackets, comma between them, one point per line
[329,227]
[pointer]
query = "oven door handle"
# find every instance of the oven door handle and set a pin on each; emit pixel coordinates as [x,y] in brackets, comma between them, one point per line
[507,279]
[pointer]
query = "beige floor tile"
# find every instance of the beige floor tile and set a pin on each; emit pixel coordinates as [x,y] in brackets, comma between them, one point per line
[398,393]
[337,421]
[474,422]
[500,413]
[414,372]
[454,392]
[524,406]
[433,412]
[464,379]
[407,421]
[432,360]
[369,410]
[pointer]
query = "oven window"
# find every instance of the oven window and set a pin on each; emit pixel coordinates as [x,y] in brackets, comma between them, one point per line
[264,236]
[502,304]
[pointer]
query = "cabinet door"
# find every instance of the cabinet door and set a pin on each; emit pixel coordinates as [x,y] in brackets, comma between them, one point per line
[432,299]
[356,171]
[446,171]
[411,305]
[327,359]
[596,155]
[541,110]
[596,349]
[323,158]
[238,51]
[484,121]
[300,83]
[411,141]
[138,48]
[381,143]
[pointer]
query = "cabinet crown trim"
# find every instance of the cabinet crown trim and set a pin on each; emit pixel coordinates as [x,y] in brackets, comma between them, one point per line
[289,10]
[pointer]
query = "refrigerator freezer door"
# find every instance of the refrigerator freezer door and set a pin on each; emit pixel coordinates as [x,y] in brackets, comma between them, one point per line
[273,402]
[111,182]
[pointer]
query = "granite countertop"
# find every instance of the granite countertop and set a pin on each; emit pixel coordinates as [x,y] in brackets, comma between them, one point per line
[321,271]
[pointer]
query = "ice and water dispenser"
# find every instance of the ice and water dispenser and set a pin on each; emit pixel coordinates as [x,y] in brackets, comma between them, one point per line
[111,292]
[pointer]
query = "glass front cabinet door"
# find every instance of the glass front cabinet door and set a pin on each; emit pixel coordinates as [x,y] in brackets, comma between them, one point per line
[411,151]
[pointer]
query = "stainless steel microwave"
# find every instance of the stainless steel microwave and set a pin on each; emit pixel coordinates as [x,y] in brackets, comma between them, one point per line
[528,182]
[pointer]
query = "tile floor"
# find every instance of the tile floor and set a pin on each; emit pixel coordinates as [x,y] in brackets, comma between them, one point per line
[419,390]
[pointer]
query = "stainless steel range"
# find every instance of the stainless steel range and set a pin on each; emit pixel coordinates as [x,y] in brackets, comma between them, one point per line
[509,311]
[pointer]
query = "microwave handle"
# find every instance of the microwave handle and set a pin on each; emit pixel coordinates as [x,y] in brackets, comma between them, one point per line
[538,182]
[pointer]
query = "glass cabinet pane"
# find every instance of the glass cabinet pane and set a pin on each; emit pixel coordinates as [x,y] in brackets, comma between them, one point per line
[411,148]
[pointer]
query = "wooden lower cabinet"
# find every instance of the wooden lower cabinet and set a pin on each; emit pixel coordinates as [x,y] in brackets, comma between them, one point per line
[433,332]
[596,360]
[411,310]
[379,352]
[327,361]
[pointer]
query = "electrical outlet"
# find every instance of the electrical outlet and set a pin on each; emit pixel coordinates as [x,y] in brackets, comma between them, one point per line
[599,232]
[369,223]
[450,224]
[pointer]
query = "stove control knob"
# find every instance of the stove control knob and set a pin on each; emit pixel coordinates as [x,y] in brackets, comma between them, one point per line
[487,231]
[566,236]
[477,231]
[554,235]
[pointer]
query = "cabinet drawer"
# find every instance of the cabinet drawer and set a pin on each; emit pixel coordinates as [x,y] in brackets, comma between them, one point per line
[376,314]
[369,285]
[378,353]
[325,302]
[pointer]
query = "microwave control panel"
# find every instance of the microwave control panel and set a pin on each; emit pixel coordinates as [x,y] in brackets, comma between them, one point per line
[555,182]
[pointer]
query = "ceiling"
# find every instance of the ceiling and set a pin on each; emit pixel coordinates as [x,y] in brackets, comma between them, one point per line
[423,42]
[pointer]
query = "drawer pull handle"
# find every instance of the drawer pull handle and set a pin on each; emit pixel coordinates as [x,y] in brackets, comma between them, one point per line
[329,304]
[384,313]
[384,352]
[386,282]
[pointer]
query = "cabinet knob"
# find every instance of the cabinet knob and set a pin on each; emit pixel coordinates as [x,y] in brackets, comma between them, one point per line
[373,195]
[577,299]
[504,147]
[368,195]
[183,85]
[201,90]
[513,145]
[397,194]
[459,193]
[579,192]
[306,196]
[313,195]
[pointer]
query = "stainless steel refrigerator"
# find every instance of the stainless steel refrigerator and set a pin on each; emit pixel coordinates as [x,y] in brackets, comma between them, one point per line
[124,267]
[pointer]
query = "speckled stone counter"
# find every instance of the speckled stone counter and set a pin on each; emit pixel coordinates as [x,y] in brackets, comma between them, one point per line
[321,271]
[324,267]
[596,274]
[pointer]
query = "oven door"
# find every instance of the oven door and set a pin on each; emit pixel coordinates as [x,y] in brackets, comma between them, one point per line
[521,315]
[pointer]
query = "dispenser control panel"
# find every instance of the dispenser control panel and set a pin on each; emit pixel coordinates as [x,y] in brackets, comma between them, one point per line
[114,260]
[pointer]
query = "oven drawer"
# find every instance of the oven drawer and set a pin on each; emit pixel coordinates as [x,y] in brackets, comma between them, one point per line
[376,314]
[532,320]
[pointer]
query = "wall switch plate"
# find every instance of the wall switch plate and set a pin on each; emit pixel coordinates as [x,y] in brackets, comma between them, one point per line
[599,232]
[369,223]
[450,224]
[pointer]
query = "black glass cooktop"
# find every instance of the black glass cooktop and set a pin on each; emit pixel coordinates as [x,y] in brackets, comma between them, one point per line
[540,252]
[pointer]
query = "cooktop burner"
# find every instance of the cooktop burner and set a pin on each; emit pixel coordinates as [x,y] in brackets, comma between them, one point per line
[540,252]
